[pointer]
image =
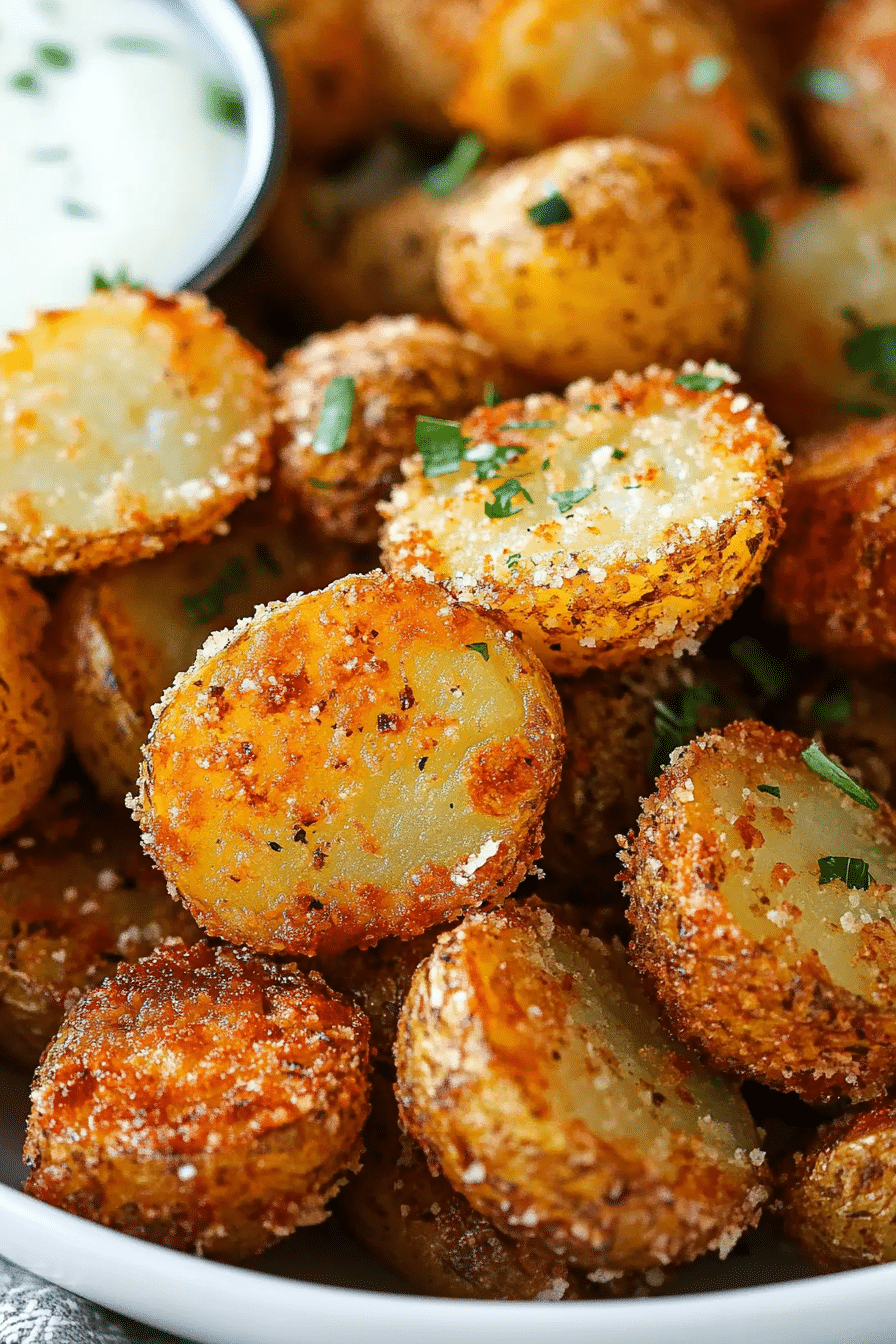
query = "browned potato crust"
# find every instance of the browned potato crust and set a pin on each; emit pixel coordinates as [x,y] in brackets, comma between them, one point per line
[772,973]
[649,510]
[402,367]
[533,1069]
[834,578]
[421,48]
[587,297]
[206,1099]
[366,761]
[31,733]
[77,896]
[130,424]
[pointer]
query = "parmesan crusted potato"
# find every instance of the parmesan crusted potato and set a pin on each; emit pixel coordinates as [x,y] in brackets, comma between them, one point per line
[130,424]
[206,1099]
[834,580]
[761,895]
[674,74]
[623,520]
[585,296]
[121,635]
[533,1069]
[401,368]
[31,734]
[288,771]
[77,897]
[422,47]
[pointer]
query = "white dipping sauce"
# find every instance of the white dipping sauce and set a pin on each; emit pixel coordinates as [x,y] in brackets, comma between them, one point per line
[122,147]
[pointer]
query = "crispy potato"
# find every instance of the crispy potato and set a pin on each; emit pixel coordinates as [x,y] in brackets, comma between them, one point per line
[533,1069]
[834,579]
[120,635]
[775,969]
[544,71]
[421,49]
[586,297]
[858,720]
[288,771]
[206,1099]
[829,271]
[31,733]
[648,511]
[839,1196]
[402,367]
[130,424]
[77,897]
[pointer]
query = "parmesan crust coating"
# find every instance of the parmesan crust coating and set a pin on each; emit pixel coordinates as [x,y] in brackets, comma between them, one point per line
[77,897]
[31,733]
[771,972]
[120,635]
[402,367]
[534,1071]
[834,579]
[653,508]
[586,297]
[349,765]
[839,1196]
[130,424]
[206,1099]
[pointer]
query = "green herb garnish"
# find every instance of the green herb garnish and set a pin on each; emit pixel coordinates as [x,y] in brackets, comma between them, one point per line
[676,720]
[567,499]
[505,494]
[513,560]
[440,444]
[757,232]
[458,166]
[762,139]
[834,774]
[872,348]
[224,104]
[490,395]
[706,73]
[77,210]
[834,705]
[321,485]
[618,454]
[699,382]
[545,464]
[489,458]
[335,417]
[554,209]
[270,18]
[481,649]
[831,86]
[265,559]
[56,57]
[594,406]
[868,410]
[526,424]
[25,82]
[767,670]
[135,44]
[769,788]
[837,867]
[120,277]
[206,606]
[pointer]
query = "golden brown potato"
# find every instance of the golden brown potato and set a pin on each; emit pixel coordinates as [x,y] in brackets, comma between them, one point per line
[77,896]
[421,49]
[130,424]
[534,1070]
[362,762]
[585,296]
[401,368]
[31,733]
[828,275]
[858,720]
[206,1099]
[676,74]
[622,521]
[120,635]
[761,895]
[834,579]
[839,1196]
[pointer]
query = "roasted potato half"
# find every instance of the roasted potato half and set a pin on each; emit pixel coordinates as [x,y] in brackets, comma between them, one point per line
[31,732]
[421,49]
[763,905]
[583,296]
[121,635]
[400,368]
[130,424]
[77,897]
[834,579]
[361,762]
[206,1099]
[535,1072]
[621,521]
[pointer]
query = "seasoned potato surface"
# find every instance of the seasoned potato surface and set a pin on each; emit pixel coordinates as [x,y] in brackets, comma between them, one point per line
[421,48]
[621,521]
[533,1069]
[365,761]
[205,1098]
[130,424]
[765,958]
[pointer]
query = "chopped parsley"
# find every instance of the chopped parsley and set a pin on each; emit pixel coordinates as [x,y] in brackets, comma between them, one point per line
[526,424]
[335,417]
[757,232]
[224,104]
[834,774]
[490,396]
[120,277]
[458,166]
[489,458]
[834,705]
[554,209]
[567,499]
[265,559]
[136,44]
[55,56]
[505,494]
[699,382]
[481,649]
[706,73]
[767,670]
[594,406]
[769,788]
[545,464]
[631,487]
[871,350]
[440,444]
[618,454]
[762,139]
[513,560]
[830,86]
[677,719]
[25,82]
[321,485]
[838,868]
[206,606]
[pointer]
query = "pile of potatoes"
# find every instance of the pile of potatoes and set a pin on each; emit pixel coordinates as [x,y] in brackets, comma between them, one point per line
[482,723]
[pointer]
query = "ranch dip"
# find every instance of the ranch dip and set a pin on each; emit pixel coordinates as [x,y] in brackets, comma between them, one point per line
[122,145]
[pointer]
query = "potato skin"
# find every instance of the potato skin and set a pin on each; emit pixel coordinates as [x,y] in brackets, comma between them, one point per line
[31,732]
[421,49]
[205,1099]
[586,298]
[286,770]
[834,579]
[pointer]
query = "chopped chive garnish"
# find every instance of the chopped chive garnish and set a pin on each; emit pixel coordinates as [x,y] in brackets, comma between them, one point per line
[631,487]
[545,464]
[831,86]
[55,56]
[594,406]
[224,104]
[52,154]
[440,444]
[458,166]
[335,417]
[490,396]
[834,774]
[321,485]
[554,209]
[868,410]
[837,867]
[481,649]
[567,499]
[767,670]
[872,348]
[677,719]
[135,44]
[513,560]
[769,788]
[120,277]
[206,606]
[706,73]
[762,139]
[757,232]
[699,382]
[505,494]
[25,82]
[77,210]
[834,705]
[526,424]
[265,559]
[618,454]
